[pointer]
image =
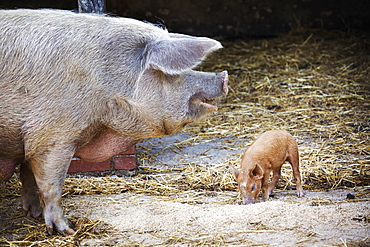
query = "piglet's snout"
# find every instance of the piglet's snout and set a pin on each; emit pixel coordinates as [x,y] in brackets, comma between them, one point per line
[247,201]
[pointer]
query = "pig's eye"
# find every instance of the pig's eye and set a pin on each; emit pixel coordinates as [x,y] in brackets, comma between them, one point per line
[253,187]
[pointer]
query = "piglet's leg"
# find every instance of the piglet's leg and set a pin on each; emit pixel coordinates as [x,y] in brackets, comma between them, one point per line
[50,170]
[29,193]
[294,161]
[275,179]
[265,185]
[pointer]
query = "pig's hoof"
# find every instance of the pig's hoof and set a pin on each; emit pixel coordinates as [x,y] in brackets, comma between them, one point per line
[35,213]
[70,231]
[31,206]
[33,210]
[265,198]
[64,230]
[300,194]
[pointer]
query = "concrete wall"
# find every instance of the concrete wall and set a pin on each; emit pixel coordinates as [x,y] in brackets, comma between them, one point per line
[231,18]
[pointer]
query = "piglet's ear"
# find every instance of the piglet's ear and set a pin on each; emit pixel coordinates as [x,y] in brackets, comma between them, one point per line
[257,172]
[180,53]
[235,171]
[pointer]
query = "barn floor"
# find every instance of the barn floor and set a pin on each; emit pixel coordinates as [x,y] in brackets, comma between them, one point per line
[311,83]
[319,219]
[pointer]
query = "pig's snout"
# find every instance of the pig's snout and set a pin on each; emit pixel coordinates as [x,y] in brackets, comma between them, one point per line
[247,203]
[225,81]
[247,199]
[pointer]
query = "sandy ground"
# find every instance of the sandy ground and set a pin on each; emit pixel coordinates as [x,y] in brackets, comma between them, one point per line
[321,218]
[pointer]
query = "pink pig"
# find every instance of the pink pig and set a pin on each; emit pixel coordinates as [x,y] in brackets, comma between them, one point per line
[267,153]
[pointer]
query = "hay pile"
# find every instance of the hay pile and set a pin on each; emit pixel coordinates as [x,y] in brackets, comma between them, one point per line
[311,83]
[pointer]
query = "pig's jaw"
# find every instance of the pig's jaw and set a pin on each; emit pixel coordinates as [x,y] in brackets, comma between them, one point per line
[199,110]
[210,105]
[200,105]
[208,99]
[203,103]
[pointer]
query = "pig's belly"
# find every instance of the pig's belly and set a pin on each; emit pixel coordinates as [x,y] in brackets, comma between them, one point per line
[105,145]
[7,168]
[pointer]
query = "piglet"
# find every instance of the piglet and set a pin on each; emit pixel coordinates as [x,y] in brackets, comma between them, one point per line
[267,153]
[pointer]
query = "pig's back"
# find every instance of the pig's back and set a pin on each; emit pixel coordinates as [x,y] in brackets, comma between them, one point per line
[61,49]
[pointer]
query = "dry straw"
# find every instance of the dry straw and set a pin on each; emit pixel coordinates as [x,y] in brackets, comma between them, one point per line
[311,83]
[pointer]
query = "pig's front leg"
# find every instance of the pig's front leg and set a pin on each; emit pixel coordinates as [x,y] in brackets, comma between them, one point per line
[29,193]
[50,170]
[265,185]
[275,178]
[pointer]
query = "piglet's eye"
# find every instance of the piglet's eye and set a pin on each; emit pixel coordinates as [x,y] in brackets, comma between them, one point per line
[253,187]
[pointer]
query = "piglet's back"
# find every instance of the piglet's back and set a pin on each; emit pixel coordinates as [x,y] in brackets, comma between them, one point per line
[273,144]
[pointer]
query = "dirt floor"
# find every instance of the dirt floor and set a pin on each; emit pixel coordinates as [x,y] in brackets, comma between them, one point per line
[311,83]
[216,218]
[211,218]
[319,219]
[206,217]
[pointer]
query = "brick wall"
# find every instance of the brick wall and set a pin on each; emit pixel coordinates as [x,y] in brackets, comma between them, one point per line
[125,161]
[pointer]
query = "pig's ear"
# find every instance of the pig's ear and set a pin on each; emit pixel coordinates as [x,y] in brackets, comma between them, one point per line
[257,172]
[235,171]
[180,53]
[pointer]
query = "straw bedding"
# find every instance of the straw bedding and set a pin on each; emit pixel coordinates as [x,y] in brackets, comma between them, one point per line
[312,83]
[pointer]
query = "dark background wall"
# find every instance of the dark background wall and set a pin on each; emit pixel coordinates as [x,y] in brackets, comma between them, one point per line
[231,18]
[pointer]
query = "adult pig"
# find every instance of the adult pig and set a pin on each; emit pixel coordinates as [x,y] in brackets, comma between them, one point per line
[91,86]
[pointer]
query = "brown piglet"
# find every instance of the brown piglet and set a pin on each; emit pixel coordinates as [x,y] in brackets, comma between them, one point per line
[267,153]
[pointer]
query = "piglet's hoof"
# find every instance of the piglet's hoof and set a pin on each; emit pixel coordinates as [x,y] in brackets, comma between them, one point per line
[300,193]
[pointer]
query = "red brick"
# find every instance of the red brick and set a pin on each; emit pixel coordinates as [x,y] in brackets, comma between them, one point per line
[124,162]
[78,165]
